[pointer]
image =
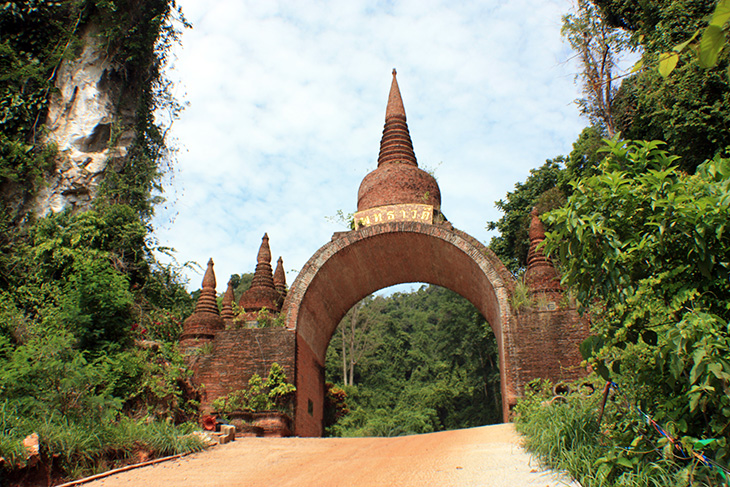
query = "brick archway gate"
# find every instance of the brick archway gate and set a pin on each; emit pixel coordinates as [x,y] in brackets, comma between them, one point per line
[358,263]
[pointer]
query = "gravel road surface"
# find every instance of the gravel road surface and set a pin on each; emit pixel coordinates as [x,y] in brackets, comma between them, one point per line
[484,456]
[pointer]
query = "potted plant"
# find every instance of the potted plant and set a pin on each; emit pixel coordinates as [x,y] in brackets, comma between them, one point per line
[263,408]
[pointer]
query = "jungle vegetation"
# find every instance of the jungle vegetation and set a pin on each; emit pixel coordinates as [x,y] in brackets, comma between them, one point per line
[414,363]
[637,220]
[88,318]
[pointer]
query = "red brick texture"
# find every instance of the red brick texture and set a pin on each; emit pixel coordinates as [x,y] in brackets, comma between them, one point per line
[363,261]
[233,356]
[354,264]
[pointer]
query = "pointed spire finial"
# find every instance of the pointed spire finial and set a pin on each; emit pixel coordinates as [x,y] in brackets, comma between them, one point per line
[395,102]
[264,251]
[280,278]
[537,229]
[227,303]
[209,277]
[396,145]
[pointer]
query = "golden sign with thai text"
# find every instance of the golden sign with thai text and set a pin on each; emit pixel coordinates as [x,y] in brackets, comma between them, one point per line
[394,213]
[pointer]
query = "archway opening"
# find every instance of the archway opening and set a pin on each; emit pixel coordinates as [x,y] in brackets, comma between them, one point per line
[413,359]
[360,262]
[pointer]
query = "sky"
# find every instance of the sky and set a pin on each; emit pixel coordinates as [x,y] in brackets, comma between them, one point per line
[286,104]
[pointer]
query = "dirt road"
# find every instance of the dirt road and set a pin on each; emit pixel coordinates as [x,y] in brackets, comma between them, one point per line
[485,456]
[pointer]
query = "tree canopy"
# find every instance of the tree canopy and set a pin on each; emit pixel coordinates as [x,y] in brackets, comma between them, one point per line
[429,363]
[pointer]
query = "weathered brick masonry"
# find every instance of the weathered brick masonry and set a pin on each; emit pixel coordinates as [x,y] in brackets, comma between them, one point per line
[233,356]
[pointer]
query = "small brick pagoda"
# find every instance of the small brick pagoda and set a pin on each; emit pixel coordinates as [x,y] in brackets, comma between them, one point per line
[541,277]
[224,349]
[263,293]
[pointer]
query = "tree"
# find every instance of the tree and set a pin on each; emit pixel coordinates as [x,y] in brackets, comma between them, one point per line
[512,243]
[356,341]
[657,24]
[645,247]
[690,110]
[597,45]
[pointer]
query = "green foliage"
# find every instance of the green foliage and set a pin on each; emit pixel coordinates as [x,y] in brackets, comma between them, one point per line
[274,393]
[265,319]
[75,291]
[241,284]
[430,364]
[81,294]
[657,24]
[512,243]
[642,228]
[626,451]
[689,110]
[75,400]
[644,244]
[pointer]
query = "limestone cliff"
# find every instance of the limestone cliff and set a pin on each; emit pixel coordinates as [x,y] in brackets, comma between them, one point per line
[88,123]
[81,81]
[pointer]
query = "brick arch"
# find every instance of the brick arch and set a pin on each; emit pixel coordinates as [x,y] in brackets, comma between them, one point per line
[358,263]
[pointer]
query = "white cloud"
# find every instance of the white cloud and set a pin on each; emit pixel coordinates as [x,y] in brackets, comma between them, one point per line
[287,101]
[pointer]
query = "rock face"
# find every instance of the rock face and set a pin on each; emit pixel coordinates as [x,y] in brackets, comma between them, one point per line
[89,124]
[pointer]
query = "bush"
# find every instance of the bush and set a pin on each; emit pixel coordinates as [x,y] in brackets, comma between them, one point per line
[626,451]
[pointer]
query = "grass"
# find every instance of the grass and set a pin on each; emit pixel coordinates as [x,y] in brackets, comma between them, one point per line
[77,448]
[565,436]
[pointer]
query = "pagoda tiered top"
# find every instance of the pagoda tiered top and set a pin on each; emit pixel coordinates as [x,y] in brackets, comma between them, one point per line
[398,189]
[262,293]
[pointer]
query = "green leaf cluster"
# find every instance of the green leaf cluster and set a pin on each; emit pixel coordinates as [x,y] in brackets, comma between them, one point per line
[689,109]
[624,450]
[274,393]
[81,300]
[644,246]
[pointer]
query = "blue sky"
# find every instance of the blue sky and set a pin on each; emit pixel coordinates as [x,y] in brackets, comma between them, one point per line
[286,105]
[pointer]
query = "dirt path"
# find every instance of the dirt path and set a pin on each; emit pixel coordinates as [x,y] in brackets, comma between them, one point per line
[485,456]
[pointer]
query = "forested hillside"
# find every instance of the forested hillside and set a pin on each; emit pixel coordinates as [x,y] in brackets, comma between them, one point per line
[414,363]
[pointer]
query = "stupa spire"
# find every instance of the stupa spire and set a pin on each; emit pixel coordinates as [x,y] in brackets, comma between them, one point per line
[280,278]
[397,180]
[396,144]
[207,302]
[541,276]
[205,320]
[262,293]
[227,303]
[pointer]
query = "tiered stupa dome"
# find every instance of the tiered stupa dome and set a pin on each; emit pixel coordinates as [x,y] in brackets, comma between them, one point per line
[205,320]
[397,179]
[262,293]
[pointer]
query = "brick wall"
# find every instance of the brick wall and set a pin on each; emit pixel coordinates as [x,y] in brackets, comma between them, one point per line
[233,356]
[534,343]
[357,263]
[548,345]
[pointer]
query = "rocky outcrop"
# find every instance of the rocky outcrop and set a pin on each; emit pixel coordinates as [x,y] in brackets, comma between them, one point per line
[89,124]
